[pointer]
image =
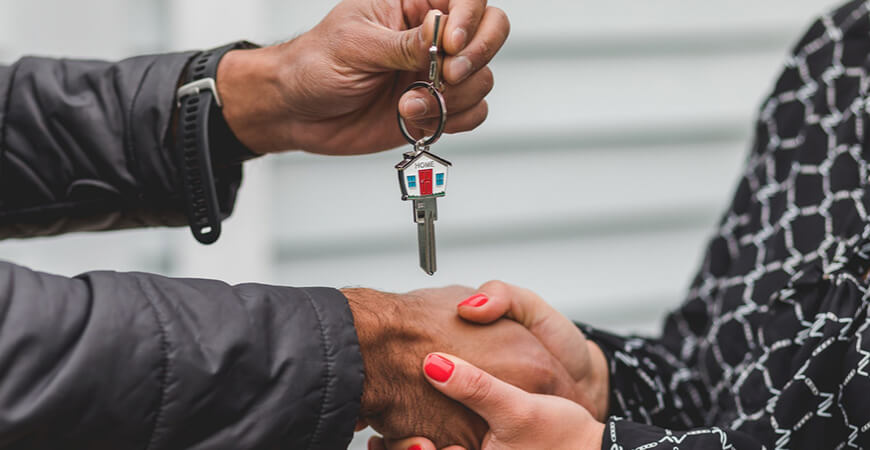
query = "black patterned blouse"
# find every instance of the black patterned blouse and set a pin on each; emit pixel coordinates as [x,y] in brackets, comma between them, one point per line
[772,347]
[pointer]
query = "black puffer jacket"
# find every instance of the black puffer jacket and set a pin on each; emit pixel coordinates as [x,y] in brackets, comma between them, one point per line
[114,360]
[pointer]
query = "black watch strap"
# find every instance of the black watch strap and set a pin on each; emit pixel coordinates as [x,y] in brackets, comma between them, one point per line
[198,100]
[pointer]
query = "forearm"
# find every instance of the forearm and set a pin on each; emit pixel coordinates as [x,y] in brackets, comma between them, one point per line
[109,360]
[87,145]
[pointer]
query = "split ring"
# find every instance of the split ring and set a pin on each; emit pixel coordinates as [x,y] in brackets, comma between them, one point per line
[442,110]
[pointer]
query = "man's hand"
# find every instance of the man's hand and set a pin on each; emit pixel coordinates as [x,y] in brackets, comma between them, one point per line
[397,331]
[335,89]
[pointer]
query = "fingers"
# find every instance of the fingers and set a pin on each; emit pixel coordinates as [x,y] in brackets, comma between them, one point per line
[556,332]
[465,17]
[483,45]
[456,123]
[416,443]
[420,104]
[494,400]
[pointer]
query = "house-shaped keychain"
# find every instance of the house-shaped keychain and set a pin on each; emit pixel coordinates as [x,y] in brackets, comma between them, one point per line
[422,175]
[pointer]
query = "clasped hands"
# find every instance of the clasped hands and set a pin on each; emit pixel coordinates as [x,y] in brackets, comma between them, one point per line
[503,370]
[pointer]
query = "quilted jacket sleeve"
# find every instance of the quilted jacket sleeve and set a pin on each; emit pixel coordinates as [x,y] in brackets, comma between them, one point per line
[86,145]
[134,361]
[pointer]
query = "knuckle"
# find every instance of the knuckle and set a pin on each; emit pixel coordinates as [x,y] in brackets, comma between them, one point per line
[483,113]
[409,48]
[523,413]
[479,388]
[488,81]
[502,19]
[495,287]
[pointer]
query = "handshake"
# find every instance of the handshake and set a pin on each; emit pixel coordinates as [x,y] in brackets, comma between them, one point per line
[503,370]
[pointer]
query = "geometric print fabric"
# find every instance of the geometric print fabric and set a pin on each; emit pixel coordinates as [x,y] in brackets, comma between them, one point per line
[771,348]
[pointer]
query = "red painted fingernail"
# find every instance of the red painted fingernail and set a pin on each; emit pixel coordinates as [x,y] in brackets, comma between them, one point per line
[438,368]
[475,301]
[415,447]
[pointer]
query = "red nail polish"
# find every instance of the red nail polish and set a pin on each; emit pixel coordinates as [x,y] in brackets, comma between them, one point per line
[475,301]
[438,368]
[415,447]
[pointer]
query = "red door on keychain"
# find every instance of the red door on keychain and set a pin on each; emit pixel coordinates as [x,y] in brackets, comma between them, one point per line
[426,182]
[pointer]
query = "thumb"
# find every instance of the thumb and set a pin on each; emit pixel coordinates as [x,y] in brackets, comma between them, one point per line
[406,50]
[492,399]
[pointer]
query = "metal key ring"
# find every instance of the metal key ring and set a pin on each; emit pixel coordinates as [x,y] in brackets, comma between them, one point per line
[442,110]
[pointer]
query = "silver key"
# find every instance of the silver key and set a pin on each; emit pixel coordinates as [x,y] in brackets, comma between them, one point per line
[422,175]
[423,178]
[425,215]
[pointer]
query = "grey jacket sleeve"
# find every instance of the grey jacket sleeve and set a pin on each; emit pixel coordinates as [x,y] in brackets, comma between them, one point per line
[128,360]
[86,145]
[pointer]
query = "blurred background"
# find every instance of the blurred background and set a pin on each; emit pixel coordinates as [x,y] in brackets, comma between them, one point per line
[616,134]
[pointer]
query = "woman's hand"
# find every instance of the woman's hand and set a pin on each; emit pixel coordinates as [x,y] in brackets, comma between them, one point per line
[583,359]
[335,89]
[517,419]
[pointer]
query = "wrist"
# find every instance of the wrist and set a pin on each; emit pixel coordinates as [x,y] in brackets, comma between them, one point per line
[599,381]
[378,330]
[593,436]
[249,83]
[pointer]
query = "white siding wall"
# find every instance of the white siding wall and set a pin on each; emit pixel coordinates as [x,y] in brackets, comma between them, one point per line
[616,132]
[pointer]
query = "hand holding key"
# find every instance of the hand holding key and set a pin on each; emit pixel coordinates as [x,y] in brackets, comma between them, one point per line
[334,89]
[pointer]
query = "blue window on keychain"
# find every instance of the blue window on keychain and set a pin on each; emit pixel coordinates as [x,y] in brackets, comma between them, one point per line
[412,181]
[439,179]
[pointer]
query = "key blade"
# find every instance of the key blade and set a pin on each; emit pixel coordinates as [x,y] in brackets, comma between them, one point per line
[426,238]
[425,215]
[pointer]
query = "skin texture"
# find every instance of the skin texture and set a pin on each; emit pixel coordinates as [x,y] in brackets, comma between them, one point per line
[518,419]
[335,89]
[397,331]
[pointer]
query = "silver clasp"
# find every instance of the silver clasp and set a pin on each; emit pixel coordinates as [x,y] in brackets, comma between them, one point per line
[195,87]
[434,56]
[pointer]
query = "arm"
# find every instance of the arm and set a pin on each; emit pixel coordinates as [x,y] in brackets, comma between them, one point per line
[131,360]
[650,382]
[86,145]
[112,360]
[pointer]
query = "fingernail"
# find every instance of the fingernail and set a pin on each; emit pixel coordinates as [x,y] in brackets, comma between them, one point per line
[415,108]
[462,68]
[438,368]
[415,447]
[459,37]
[475,301]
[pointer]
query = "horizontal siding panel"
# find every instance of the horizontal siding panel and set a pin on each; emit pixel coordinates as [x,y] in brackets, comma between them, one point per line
[551,95]
[606,280]
[322,201]
[595,19]
[132,250]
